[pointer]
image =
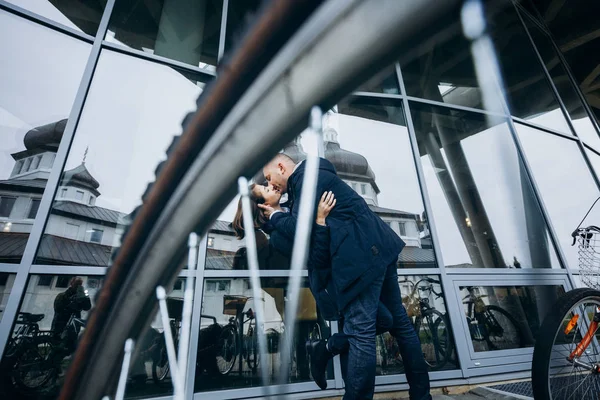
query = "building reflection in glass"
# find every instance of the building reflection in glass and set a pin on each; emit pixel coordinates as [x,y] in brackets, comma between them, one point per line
[36,98]
[112,160]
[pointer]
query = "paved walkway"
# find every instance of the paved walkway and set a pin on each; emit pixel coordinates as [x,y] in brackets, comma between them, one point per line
[481,393]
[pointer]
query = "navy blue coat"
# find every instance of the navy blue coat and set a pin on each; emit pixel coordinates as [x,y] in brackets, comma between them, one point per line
[361,245]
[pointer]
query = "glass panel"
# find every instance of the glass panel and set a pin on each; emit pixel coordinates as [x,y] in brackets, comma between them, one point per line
[6,284]
[228,317]
[365,160]
[581,121]
[384,82]
[482,200]
[564,181]
[113,158]
[443,71]
[183,30]
[363,163]
[527,88]
[594,160]
[38,89]
[83,16]
[149,374]
[47,329]
[424,301]
[506,317]
[239,14]
[574,27]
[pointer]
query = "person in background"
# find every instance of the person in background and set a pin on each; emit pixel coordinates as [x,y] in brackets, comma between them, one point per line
[69,303]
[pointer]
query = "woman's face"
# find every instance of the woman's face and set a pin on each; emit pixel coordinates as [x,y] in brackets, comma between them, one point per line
[271,196]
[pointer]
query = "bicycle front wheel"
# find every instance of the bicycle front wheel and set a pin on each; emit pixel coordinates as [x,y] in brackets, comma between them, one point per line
[435,339]
[227,350]
[556,373]
[502,331]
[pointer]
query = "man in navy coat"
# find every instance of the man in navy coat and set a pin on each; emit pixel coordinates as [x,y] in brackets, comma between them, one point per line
[364,253]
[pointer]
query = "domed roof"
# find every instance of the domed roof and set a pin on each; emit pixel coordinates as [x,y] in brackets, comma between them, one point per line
[80,177]
[348,164]
[45,136]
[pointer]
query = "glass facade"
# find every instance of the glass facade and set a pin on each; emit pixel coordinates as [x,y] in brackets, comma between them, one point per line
[486,211]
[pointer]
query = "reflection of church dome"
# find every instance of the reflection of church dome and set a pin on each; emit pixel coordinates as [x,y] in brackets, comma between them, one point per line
[295,151]
[80,177]
[45,136]
[349,165]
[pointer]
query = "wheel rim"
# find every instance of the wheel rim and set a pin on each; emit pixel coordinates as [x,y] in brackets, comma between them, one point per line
[502,332]
[32,368]
[435,347]
[567,380]
[226,352]
[162,365]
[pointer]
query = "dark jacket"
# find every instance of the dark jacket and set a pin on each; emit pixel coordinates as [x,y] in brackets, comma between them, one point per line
[319,265]
[361,245]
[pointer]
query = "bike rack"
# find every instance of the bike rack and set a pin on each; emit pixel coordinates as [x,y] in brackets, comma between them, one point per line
[177,362]
[252,256]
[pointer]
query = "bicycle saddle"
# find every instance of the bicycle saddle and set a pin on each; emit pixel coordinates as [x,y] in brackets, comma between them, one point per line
[31,318]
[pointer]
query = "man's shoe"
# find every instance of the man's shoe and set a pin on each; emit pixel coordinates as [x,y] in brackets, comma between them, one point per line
[319,357]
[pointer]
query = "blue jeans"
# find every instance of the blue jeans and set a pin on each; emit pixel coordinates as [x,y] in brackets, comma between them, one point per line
[339,343]
[360,325]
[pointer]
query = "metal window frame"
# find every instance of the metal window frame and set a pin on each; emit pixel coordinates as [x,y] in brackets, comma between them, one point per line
[46,22]
[37,229]
[496,357]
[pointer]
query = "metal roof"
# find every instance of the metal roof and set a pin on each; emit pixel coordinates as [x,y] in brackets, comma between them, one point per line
[28,184]
[222,227]
[55,250]
[91,212]
[219,259]
[60,250]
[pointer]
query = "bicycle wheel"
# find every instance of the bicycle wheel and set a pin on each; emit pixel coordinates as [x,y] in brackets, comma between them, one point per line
[252,352]
[160,366]
[554,377]
[227,350]
[35,363]
[435,339]
[501,330]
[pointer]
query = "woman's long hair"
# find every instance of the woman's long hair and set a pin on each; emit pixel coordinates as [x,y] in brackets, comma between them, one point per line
[257,215]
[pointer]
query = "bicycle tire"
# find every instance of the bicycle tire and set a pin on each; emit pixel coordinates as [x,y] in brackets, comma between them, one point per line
[30,358]
[442,345]
[272,70]
[251,349]
[495,309]
[160,366]
[549,330]
[229,342]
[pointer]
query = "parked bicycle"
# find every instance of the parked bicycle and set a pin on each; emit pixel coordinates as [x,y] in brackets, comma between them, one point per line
[234,343]
[34,356]
[566,356]
[490,323]
[208,344]
[430,324]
